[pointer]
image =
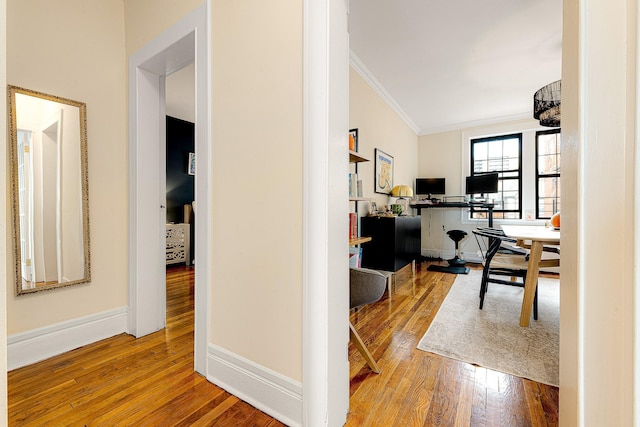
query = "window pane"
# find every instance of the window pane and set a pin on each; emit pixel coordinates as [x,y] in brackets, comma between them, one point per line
[549,163]
[548,147]
[548,196]
[510,185]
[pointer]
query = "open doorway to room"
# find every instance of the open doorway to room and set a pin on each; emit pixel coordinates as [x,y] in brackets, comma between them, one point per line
[182,44]
[180,201]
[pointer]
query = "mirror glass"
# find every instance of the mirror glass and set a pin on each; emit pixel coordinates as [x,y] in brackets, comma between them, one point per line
[49,190]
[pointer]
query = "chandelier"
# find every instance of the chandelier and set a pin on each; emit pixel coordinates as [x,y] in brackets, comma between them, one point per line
[546,104]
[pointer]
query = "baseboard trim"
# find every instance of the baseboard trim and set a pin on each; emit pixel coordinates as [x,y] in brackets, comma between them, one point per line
[447,254]
[269,391]
[39,344]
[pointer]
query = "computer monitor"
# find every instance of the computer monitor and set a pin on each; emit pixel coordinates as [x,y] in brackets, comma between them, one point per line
[482,183]
[429,186]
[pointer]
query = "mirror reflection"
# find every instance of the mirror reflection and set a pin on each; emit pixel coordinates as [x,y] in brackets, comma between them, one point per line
[49,190]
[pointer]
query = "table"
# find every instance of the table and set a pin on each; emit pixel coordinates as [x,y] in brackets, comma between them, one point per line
[538,236]
[459,205]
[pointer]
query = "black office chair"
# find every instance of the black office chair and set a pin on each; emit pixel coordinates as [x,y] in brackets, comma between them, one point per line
[456,264]
[501,260]
[456,236]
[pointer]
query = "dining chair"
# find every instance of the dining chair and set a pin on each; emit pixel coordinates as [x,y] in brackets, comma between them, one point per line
[365,287]
[501,259]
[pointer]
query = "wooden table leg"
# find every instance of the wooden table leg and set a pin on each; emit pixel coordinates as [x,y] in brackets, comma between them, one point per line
[531,282]
[357,341]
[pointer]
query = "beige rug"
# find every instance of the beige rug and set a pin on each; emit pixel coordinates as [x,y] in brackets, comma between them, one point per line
[492,337]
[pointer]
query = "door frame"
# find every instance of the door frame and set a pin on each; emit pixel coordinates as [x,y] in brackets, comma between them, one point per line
[188,40]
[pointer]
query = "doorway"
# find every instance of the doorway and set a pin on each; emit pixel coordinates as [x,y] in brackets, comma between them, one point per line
[184,43]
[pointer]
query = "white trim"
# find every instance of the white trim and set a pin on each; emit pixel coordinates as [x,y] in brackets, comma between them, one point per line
[203,192]
[357,64]
[187,40]
[39,344]
[325,277]
[636,232]
[269,391]
[476,123]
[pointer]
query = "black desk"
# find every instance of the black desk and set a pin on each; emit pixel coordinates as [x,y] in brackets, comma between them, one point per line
[460,205]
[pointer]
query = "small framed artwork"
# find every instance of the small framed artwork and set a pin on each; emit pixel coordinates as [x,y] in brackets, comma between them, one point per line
[353,140]
[383,172]
[191,167]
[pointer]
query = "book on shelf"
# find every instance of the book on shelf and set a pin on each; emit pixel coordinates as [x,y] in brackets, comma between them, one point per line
[353,184]
[353,225]
[355,257]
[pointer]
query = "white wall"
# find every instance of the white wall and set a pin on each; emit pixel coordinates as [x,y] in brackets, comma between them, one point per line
[180,94]
[446,155]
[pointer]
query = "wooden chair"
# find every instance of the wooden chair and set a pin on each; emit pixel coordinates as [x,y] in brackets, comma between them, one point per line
[365,287]
[501,260]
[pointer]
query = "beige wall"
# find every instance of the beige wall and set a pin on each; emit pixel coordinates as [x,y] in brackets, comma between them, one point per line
[5,273]
[380,127]
[145,19]
[256,299]
[256,263]
[599,317]
[51,50]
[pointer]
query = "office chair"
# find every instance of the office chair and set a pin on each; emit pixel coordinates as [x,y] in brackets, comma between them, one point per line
[365,287]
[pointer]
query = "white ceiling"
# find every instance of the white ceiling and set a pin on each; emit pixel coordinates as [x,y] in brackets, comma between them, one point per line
[446,64]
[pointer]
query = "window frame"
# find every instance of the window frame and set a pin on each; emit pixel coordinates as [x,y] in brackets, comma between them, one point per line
[546,175]
[497,213]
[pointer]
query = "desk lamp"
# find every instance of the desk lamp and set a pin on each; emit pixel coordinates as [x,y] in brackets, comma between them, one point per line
[402,192]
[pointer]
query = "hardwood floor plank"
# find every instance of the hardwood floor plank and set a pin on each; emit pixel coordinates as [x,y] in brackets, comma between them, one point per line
[479,406]
[442,411]
[465,398]
[536,411]
[512,392]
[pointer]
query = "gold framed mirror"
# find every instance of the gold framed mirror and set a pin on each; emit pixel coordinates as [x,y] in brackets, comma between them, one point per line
[49,190]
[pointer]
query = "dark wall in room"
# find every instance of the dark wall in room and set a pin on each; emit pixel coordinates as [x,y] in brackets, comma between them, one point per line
[180,185]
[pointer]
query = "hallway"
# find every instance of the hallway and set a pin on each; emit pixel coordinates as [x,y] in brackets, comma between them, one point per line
[124,381]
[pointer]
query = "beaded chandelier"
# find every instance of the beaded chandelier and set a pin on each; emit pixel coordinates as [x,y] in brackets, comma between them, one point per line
[546,104]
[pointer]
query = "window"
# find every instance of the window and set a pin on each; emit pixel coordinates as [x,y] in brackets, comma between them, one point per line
[502,154]
[547,173]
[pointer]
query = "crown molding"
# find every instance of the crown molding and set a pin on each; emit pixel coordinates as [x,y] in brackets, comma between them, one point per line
[368,77]
[476,123]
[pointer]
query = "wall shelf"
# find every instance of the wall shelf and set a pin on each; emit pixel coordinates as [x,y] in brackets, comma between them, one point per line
[358,240]
[356,158]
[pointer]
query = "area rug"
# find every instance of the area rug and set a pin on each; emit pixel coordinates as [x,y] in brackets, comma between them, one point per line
[492,337]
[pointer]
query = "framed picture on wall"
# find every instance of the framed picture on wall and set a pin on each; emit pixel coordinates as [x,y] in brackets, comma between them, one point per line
[191,166]
[383,172]
[353,140]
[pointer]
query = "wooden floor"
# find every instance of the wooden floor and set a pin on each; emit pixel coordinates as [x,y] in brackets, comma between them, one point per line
[417,388]
[122,381]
